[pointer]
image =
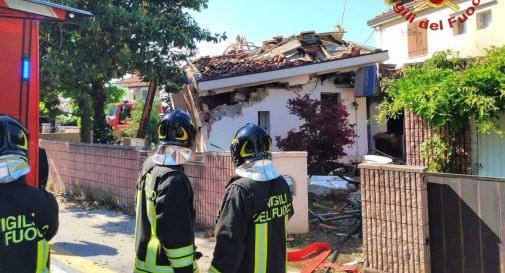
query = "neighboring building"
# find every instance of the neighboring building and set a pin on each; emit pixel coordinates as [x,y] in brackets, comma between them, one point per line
[254,86]
[408,43]
[136,88]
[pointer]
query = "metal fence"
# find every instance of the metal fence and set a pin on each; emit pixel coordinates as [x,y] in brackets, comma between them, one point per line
[466,215]
[442,223]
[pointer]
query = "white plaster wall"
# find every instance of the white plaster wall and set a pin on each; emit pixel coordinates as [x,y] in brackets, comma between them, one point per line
[294,165]
[393,36]
[281,121]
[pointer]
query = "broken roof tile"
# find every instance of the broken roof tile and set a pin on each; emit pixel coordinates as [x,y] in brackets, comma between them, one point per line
[277,53]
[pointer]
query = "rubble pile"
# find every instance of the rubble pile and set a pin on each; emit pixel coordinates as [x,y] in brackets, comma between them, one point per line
[280,52]
[389,71]
[240,64]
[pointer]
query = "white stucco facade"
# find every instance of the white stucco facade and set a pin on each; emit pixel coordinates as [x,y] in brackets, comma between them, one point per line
[392,35]
[487,150]
[281,121]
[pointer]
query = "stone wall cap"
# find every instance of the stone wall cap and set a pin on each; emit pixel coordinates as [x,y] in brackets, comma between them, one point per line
[465,177]
[94,145]
[274,154]
[289,154]
[393,167]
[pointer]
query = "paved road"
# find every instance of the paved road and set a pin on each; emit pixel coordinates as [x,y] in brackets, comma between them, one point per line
[100,240]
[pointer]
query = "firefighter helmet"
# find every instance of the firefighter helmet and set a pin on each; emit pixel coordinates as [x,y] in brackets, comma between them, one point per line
[176,128]
[13,138]
[251,143]
[13,150]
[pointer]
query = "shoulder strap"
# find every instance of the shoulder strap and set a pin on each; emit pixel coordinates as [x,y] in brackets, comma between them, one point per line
[143,174]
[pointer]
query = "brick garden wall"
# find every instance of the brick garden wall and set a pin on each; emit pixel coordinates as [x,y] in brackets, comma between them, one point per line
[395,219]
[109,173]
[209,179]
[103,172]
[417,131]
[67,137]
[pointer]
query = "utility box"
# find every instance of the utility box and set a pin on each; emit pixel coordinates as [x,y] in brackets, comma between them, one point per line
[19,65]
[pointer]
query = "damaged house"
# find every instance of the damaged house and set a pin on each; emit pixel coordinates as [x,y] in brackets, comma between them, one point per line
[250,84]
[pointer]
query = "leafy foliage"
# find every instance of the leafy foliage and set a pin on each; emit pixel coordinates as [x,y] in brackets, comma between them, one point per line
[67,120]
[435,148]
[115,94]
[147,37]
[152,126]
[324,133]
[448,90]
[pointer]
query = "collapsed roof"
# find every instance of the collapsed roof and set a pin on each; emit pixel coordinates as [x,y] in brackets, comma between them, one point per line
[280,52]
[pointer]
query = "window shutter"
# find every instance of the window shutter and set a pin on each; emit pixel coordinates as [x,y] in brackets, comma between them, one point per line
[417,40]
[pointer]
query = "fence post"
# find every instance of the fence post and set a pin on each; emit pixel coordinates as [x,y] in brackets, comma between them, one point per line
[395,219]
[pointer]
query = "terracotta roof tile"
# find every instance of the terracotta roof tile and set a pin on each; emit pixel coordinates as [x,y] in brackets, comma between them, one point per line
[278,53]
[134,81]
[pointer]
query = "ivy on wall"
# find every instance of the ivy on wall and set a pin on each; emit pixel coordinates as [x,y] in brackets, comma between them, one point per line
[449,90]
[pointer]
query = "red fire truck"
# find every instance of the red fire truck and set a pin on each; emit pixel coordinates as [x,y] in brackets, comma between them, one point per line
[118,115]
[19,65]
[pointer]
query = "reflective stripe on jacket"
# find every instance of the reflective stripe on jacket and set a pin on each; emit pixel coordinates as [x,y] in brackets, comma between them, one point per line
[252,227]
[165,221]
[28,220]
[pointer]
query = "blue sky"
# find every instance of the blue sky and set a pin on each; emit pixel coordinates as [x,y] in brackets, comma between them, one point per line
[260,20]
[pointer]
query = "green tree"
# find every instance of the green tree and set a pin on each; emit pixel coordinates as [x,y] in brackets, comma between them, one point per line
[115,94]
[152,126]
[150,38]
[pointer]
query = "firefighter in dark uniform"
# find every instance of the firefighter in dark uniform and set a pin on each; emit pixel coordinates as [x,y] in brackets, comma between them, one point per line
[28,216]
[165,212]
[252,226]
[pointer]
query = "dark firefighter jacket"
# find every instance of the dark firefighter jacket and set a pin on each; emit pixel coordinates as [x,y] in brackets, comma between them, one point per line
[28,220]
[251,229]
[165,221]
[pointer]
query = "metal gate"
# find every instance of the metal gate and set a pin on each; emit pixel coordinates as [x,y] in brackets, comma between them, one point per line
[466,216]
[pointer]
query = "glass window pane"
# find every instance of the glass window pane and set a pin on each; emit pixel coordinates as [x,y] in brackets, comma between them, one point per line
[264,120]
[484,19]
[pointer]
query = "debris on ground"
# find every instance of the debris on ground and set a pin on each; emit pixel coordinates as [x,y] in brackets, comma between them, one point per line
[85,203]
[329,186]
[335,220]
[352,251]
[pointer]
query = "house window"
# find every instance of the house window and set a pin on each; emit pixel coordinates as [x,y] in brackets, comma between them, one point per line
[484,19]
[143,93]
[417,40]
[331,97]
[264,120]
[460,28]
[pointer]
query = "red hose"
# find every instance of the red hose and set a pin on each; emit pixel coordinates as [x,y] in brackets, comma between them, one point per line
[324,250]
